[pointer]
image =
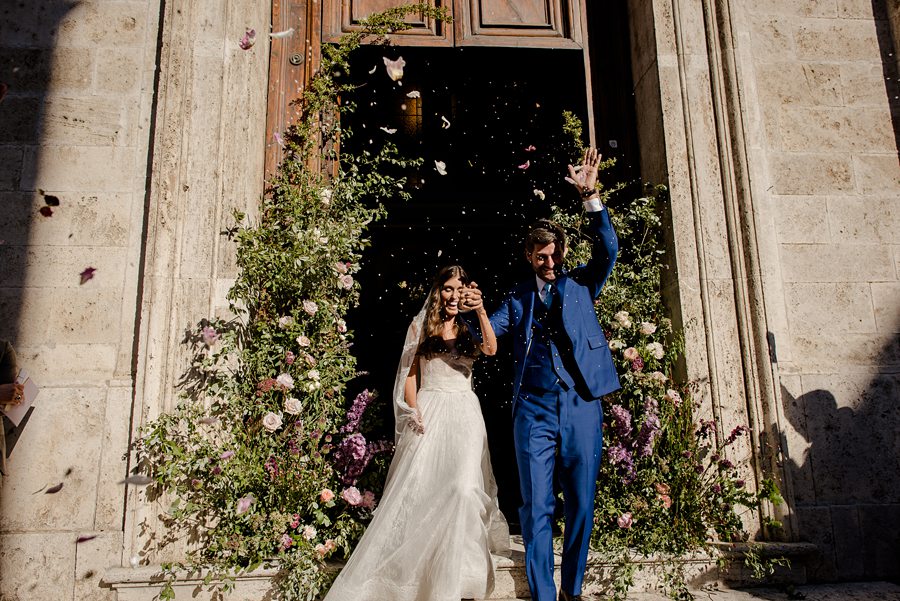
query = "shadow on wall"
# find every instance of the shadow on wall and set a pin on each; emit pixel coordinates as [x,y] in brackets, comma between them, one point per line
[888,32]
[29,68]
[847,483]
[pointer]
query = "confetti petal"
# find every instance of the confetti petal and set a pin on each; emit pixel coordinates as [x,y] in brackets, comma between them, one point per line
[248,39]
[530,148]
[54,489]
[445,123]
[540,194]
[278,138]
[524,165]
[373,69]
[87,274]
[388,130]
[46,211]
[414,94]
[394,68]
[441,167]
[49,199]
[137,480]
[282,34]
[85,538]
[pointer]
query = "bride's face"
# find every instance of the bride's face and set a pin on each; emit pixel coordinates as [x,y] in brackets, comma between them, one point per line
[451,294]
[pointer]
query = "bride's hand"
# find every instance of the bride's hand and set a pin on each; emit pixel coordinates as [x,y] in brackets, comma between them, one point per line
[416,424]
[472,299]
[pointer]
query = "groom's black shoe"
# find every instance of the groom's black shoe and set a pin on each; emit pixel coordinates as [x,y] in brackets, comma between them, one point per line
[564,596]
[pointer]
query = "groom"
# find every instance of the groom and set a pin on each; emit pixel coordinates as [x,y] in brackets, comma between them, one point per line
[562,366]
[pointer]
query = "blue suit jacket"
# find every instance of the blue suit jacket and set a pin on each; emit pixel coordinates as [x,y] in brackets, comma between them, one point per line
[578,289]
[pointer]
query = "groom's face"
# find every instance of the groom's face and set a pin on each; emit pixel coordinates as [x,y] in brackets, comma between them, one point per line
[545,260]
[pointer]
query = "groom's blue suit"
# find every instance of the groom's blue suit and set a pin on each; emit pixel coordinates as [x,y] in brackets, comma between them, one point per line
[562,365]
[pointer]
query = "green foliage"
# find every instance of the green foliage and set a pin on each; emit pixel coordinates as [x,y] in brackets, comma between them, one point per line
[250,459]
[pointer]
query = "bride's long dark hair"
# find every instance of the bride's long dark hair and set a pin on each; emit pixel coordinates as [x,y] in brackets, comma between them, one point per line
[433,342]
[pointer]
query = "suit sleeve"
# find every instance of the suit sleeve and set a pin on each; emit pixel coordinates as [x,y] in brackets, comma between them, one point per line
[499,321]
[604,249]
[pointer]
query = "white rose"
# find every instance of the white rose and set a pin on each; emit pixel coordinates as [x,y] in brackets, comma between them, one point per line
[309,532]
[341,326]
[292,406]
[285,381]
[271,421]
[616,344]
[313,374]
[302,340]
[623,319]
[656,349]
[285,322]
[658,376]
[647,328]
[310,307]
[345,281]
[325,195]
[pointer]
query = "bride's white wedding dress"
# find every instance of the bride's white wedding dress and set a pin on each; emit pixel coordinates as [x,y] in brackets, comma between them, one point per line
[437,525]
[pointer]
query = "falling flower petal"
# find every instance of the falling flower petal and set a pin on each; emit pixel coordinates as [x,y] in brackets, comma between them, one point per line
[49,199]
[244,504]
[137,480]
[46,211]
[85,538]
[87,274]
[54,489]
[278,138]
[524,165]
[373,69]
[441,167]
[394,68]
[248,39]
[388,130]
[445,123]
[414,94]
[540,194]
[530,148]
[282,34]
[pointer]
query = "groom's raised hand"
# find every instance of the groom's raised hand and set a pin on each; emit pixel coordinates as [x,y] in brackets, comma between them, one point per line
[584,177]
[472,299]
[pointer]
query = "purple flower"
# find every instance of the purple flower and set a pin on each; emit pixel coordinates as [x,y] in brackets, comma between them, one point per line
[738,431]
[648,434]
[352,496]
[637,364]
[244,504]
[271,466]
[354,415]
[726,464]
[625,520]
[621,422]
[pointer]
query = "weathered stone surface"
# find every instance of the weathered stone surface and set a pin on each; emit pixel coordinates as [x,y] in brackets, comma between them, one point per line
[821,351]
[87,121]
[810,84]
[877,174]
[831,39]
[36,565]
[105,25]
[815,527]
[10,167]
[848,541]
[864,220]
[113,465]
[801,8]
[19,120]
[838,307]
[95,168]
[118,70]
[811,173]
[54,449]
[34,71]
[801,219]
[68,364]
[836,129]
[772,38]
[881,531]
[887,311]
[863,84]
[49,267]
[79,220]
[798,464]
[92,560]
[837,263]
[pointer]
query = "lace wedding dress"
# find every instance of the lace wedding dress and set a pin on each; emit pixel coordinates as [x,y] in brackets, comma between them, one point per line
[437,525]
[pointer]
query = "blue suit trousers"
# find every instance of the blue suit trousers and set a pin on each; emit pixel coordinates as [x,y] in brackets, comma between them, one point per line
[558,432]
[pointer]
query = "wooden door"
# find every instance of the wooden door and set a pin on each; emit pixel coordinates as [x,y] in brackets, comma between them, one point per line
[520,23]
[343,16]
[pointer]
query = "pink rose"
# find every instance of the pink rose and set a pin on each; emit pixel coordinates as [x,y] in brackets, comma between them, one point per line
[289,358]
[285,381]
[631,353]
[368,500]
[666,500]
[271,421]
[625,520]
[341,326]
[310,307]
[673,397]
[309,532]
[302,340]
[285,322]
[321,550]
[326,495]
[286,541]
[210,336]
[340,267]
[352,496]
[647,328]
[346,281]
[330,545]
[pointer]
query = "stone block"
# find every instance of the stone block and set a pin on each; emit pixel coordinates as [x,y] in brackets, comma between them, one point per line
[25,314]
[863,84]
[55,447]
[866,220]
[772,38]
[79,220]
[877,174]
[837,263]
[821,351]
[105,25]
[800,8]
[118,71]
[881,532]
[87,316]
[800,174]
[886,301]
[838,307]
[19,120]
[88,121]
[815,527]
[10,168]
[838,40]
[808,84]
[862,9]
[50,267]
[841,129]
[30,24]
[88,168]
[36,566]
[113,466]
[68,364]
[801,219]
[34,72]
[92,560]
[848,541]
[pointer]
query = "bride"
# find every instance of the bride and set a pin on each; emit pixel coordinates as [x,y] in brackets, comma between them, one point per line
[438,524]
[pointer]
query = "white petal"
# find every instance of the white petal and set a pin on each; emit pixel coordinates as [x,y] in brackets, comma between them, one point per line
[414,94]
[388,130]
[441,167]
[282,34]
[445,122]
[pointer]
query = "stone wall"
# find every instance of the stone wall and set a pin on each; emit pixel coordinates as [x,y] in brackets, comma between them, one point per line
[147,122]
[822,115]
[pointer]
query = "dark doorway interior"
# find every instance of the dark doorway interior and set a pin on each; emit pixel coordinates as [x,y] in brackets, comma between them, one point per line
[494,117]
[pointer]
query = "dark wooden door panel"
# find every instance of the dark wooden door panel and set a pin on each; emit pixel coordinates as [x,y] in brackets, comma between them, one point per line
[343,16]
[521,23]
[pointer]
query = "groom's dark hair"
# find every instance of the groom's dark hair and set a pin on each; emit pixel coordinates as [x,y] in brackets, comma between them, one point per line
[543,232]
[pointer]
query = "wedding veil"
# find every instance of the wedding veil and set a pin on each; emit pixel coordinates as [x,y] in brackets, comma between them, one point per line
[415,333]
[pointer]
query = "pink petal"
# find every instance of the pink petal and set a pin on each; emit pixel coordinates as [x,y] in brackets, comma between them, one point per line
[282,34]
[278,138]
[54,489]
[248,39]
[46,211]
[85,538]
[530,148]
[525,165]
[87,274]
